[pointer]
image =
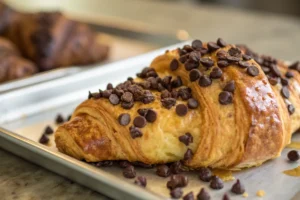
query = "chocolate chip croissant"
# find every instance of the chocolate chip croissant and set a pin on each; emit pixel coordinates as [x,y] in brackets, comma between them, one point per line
[211,104]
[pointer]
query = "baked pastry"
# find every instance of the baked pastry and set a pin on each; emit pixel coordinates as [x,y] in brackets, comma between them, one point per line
[12,65]
[208,105]
[51,40]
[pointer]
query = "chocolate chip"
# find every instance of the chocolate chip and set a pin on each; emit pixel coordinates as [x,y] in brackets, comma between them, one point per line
[222,54]
[203,50]
[275,70]
[185,93]
[143,165]
[266,70]
[124,163]
[188,155]
[207,62]
[295,66]
[127,97]
[205,81]
[233,59]
[244,64]
[289,74]
[233,51]
[246,57]
[203,195]
[194,75]
[177,181]
[69,117]
[225,98]
[216,73]
[176,167]
[192,103]
[189,196]
[151,116]
[135,132]
[229,87]
[183,58]
[124,119]
[163,171]
[141,181]
[181,110]
[148,97]
[238,187]
[48,130]
[90,95]
[160,87]
[221,42]
[174,64]
[118,92]
[197,44]
[195,56]
[114,99]
[106,93]
[293,155]
[205,174]
[188,48]
[174,94]
[216,183]
[226,197]
[126,105]
[176,193]
[59,119]
[284,81]
[273,80]
[168,102]
[177,82]
[212,46]
[105,163]
[109,86]
[143,111]
[44,139]
[129,172]
[291,109]
[186,139]
[252,71]
[166,81]
[285,92]
[190,65]
[222,63]
[139,122]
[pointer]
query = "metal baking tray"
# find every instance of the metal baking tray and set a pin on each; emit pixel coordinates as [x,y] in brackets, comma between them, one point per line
[26,112]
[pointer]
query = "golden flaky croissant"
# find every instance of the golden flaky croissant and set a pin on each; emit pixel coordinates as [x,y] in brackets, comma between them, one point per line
[205,104]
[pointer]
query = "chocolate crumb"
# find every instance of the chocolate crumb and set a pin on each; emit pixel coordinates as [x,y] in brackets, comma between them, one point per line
[176,193]
[48,130]
[129,172]
[124,119]
[216,183]
[44,139]
[205,174]
[181,110]
[189,196]
[293,155]
[238,187]
[59,119]
[141,181]
[163,171]
[203,195]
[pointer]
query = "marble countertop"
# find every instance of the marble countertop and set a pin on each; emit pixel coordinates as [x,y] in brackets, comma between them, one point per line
[266,33]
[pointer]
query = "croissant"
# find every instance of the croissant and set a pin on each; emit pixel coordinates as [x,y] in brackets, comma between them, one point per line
[206,104]
[51,40]
[12,65]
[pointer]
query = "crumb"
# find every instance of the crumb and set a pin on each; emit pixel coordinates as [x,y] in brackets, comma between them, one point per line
[260,193]
[245,194]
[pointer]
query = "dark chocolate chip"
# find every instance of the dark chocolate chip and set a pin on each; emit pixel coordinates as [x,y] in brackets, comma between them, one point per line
[238,187]
[289,74]
[226,197]
[44,139]
[194,74]
[48,130]
[139,121]
[221,42]
[285,92]
[185,93]
[195,56]
[183,58]
[192,103]
[233,51]
[105,163]
[160,87]
[177,82]
[124,119]
[124,163]
[273,80]
[207,62]
[244,64]
[106,93]
[203,51]
[291,109]
[252,71]
[181,109]
[126,105]
[188,48]
[151,116]
[216,73]
[293,155]
[176,167]
[176,193]
[212,46]
[148,97]
[205,174]
[266,70]
[135,132]
[275,70]
[205,81]
[216,183]
[188,155]
[174,64]
[232,59]
[174,94]
[127,97]
[246,57]
[229,87]
[225,98]
[189,196]
[141,181]
[189,65]
[163,171]
[129,172]
[177,180]
[284,81]
[109,86]
[143,165]
[295,66]
[222,54]
[168,102]
[186,139]
[165,94]
[90,95]
[114,99]
[143,111]
[222,63]
[118,92]
[203,195]
[197,44]
[59,119]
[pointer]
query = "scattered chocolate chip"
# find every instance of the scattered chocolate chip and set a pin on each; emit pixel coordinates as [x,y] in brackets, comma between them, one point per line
[185,93]
[143,165]
[238,187]
[183,58]
[233,59]
[225,98]
[176,193]
[203,195]
[212,46]
[127,97]
[285,92]
[163,171]
[151,116]
[273,80]
[90,95]
[195,56]
[207,62]
[174,64]
[291,109]
[188,155]
[275,70]
[266,70]
[106,93]
[109,86]
[197,44]
[188,48]
[48,130]
[168,102]
[189,65]
[222,63]
[189,196]
[295,66]
[216,73]
[229,87]
[174,94]
[141,181]
[293,155]
[186,139]
[177,180]
[135,132]
[139,121]
[205,174]
[119,92]
[246,57]
[252,71]
[222,54]
[44,139]
[176,167]
[143,111]
[105,163]
[233,51]
[289,74]
[203,51]
[124,163]
[221,42]
[192,103]
[114,99]
[59,119]
[177,82]
[124,119]
[244,64]
[226,197]
[129,172]
[216,183]
[284,81]
[205,81]
[181,109]
[194,74]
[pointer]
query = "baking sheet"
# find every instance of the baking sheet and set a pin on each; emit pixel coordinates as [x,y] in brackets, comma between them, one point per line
[26,113]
